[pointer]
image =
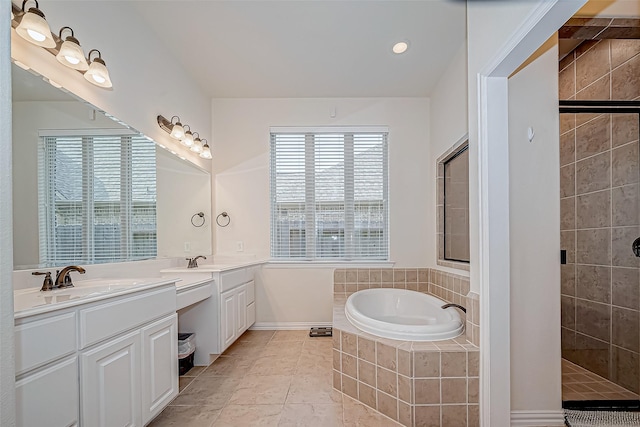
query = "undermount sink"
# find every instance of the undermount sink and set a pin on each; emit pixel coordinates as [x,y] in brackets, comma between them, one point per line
[33,298]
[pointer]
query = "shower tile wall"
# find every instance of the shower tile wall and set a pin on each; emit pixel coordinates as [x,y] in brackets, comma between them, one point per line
[599,213]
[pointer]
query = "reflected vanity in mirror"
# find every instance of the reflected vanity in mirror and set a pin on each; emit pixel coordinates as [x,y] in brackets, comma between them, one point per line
[88,189]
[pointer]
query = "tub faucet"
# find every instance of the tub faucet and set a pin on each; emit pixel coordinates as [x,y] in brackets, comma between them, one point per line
[193,262]
[63,279]
[456,306]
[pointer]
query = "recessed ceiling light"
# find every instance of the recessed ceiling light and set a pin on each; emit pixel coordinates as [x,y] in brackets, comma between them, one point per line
[400,47]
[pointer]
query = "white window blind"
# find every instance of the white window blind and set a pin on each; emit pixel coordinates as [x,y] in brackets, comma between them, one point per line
[329,195]
[97,197]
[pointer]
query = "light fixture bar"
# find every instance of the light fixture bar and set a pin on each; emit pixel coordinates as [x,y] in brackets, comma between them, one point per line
[196,146]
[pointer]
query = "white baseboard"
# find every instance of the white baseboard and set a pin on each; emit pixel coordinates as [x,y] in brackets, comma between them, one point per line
[283,326]
[537,418]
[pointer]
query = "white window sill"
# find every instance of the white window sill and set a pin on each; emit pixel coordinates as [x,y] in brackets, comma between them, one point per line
[328,264]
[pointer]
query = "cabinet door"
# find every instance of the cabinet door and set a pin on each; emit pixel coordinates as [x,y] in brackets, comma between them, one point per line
[241,311]
[49,397]
[228,318]
[110,383]
[159,366]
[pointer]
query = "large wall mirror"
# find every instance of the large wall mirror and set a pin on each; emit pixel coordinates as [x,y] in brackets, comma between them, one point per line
[88,189]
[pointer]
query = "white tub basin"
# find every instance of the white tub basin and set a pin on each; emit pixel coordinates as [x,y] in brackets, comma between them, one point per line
[403,315]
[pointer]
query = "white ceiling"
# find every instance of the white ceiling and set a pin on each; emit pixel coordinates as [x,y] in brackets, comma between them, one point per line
[312,48]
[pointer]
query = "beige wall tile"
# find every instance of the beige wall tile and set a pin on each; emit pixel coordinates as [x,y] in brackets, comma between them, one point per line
[625,325]
[336,338]
[453,364]
[626,368]
[337,380]
[593,246]
[388,405]
[592,354]
[405,416]
[349,343]
[367,373]
[568,148]
[367,349]
[367,395]
[593,319]
[351,275]
[626,287]
[625,80]
[474,390]
[567,82]
[567,121]
[600,89]
[473,416]
[473,360]
[375,276]
[404,389]
[454,390]
[350,387]
[625,205]
[594,283]
[427,416]
[426,364]
[568,279]
[593,173]
[387,381]
[339,275]
[621,253]
[568,243]
[426,391]
[387,275]
[454,415]
[567,180]
[592,210]
[622,50]
[624,129]
[386,356]
[593,137]
[336,360]
[405,362]
[363,275]
[568,312]
[592,65]
[349,365]
[624,165]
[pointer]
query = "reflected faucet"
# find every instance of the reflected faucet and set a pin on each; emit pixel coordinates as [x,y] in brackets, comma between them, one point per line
[456,306]
[63,279]
[193,262]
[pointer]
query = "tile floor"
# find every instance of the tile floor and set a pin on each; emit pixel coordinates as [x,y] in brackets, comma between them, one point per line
[580,384]
[267,378]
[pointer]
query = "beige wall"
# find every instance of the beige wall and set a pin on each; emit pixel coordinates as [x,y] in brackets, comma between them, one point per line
[599,213]
[241,138]
[534,221]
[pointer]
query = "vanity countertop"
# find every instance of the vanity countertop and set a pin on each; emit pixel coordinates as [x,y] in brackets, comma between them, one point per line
[213,268]
[28,302]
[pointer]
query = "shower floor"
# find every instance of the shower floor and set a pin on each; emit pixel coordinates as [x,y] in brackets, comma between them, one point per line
[580,384]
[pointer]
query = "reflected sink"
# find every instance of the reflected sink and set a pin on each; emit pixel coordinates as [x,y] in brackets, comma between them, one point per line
[32,298]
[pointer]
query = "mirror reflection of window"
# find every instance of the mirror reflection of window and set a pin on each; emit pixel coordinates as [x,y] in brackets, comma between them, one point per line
[456,206]
[97,197]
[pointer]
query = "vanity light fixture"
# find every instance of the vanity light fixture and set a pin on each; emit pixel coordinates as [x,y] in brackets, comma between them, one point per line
[34,27]
[177,131]
[71,53]
[197,144]
[187,139]
[97,73]
[206,151]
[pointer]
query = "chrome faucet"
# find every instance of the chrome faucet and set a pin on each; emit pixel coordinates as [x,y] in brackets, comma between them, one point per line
[193,262]
[63,279]
[456,306]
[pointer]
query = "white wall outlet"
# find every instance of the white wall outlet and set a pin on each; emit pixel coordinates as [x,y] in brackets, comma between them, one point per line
[187,246]
[239,246]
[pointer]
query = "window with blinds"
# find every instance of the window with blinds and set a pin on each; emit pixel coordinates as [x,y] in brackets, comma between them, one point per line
[97,195]
[329,194]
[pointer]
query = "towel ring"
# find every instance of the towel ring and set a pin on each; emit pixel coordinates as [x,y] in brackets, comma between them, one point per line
[223,215]
[201,220]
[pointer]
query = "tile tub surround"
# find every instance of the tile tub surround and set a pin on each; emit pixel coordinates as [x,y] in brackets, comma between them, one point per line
[452,288]
[415,383]
[599,213]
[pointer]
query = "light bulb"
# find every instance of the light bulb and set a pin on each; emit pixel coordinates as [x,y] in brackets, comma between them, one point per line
[177,131]
[72,56]
[197,146]
[98,73]
[206,152]
[187,141]
[34,28]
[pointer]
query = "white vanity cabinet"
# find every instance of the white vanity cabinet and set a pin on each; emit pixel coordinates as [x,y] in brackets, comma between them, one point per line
[111,362]
[237,309]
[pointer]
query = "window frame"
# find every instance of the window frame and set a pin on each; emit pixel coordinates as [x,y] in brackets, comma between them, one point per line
[348,248]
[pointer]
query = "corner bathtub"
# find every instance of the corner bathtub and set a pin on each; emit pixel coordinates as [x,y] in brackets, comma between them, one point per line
[402,315]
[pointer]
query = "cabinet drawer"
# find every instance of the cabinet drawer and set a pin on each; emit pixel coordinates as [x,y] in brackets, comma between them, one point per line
[251,292]
[49,397]
[44,341]
[109,319]
[233,278]
[186,297]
